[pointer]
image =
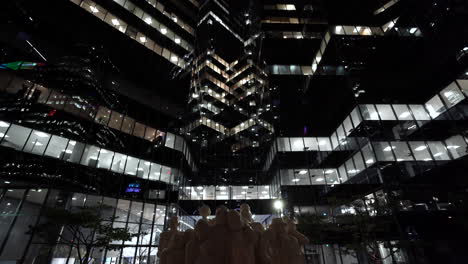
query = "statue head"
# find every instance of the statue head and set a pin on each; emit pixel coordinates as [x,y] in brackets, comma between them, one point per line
[290,223]
[234,220]
[174,222]
[278,226]
[221,215]
[202,230]
[244,207]
[204,211]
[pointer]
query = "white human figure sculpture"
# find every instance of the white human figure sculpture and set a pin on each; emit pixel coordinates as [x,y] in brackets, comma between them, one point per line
[242,240]
[292,231]
[166,236]
[192,249]
[279,247]
[204,212]
[214,249]
[175,251]
[246,214]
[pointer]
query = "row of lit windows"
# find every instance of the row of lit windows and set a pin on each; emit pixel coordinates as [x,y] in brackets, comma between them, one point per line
[252,192]
[387,28]
[226,131]
[148,19]
[131,32]
[450,96]
[22,208]
[381,151]
[81,107]
[280,7]
[289,70]
[158,5]
[385,6]
[207,63]
[44,144]
[293,35]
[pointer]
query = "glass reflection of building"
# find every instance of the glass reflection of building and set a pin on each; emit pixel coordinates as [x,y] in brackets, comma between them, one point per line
[69,137]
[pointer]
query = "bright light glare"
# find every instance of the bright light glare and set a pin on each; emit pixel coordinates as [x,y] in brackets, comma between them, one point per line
[278,204]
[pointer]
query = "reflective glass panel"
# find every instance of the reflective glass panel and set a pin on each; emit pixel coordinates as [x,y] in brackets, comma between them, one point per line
[16,137]
[439,152]
[37,142]
[57,146]
[105,159]
[118,164]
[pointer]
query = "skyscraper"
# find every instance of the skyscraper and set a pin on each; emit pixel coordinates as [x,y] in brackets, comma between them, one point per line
[322,110]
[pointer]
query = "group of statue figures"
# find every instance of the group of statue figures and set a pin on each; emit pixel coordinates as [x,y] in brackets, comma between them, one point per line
[232,238]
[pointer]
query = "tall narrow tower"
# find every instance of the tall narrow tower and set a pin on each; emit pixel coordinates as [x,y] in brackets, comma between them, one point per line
[229,88]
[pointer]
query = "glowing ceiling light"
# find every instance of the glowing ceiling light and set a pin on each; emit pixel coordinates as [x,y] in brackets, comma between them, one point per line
[41,134]
[4,124]
[148,20]
[413,30]
[177,40]
[173,58]
[319,180]
[163,31]
[143,39]
[94,9]
[295,180]
[404,115]
[302,172]
[420,148]
[370,161]
[115,22]
[329,171]
[388,148]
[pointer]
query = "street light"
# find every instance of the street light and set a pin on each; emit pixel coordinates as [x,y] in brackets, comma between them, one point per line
[278,205]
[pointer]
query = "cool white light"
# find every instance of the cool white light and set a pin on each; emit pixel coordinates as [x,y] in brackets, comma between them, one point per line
[68,151]
[173,58]
[420,148]
[452,147]
[199,188]
[94,9]
[404,115]
[222,188]
[388,148]
[319,180]
[245,187]
[163,31]
[370,161]
[148,20]
[115,22]
[143,39]
[302,172]
[278,205]
[41,134]
[412,30]
[4,124]
[177,40]
[438,154]
[295,180]
[329,171]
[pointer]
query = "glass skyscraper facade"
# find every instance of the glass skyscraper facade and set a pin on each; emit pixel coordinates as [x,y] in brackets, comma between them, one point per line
[146,109]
